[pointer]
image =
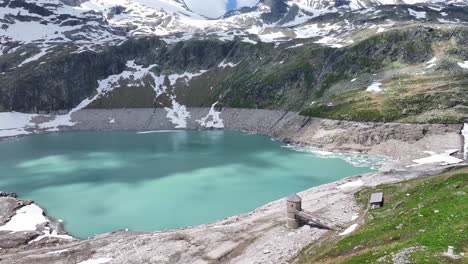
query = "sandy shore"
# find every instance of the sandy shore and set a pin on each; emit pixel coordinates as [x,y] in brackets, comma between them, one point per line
[259,236]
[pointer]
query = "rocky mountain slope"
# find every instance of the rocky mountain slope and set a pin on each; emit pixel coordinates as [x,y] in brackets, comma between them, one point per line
[371,60]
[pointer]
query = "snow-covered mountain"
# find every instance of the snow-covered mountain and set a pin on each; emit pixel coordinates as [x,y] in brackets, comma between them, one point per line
[112,21]
[360,4]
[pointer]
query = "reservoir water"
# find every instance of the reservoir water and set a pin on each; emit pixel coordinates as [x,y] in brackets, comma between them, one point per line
[99,182]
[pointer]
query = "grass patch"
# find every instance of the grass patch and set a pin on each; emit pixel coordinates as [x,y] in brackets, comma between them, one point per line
[429,212]
[404,99]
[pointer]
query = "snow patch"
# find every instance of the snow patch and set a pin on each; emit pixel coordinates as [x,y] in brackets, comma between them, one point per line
[381,30]
[417,14]
[156,131]
[330,42]
[178,114]
[349,230]
[248,40]
[272,37]
[444,158]
[225,64]
[15,124]
[36,57]
[96,261]
[15,120]
[212,120]
[432,63]
[53,234]
[57,252]
[465,136]
[295,46]
[463,65]
[13,132]
[375,87]
[27,218]
[350,185]
[446,21]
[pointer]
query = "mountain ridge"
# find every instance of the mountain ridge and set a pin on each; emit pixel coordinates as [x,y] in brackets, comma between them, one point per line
[274,58]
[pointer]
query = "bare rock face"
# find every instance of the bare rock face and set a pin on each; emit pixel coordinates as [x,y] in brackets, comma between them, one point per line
[8,207]
[278,8]
[8,194]
[115,10]
[16,240]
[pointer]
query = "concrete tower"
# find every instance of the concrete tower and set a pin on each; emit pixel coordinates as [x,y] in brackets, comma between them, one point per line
[293,206]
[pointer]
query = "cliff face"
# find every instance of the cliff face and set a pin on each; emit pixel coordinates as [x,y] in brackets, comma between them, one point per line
[319,81]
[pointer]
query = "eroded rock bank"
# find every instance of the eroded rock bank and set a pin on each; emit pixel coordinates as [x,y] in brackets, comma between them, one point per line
[403,142]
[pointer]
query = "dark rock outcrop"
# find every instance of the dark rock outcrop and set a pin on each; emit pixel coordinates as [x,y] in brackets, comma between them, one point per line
[278,8]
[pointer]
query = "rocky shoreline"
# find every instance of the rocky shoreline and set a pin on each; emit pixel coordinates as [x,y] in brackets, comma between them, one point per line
[399,141]
[403,142]
[259,236]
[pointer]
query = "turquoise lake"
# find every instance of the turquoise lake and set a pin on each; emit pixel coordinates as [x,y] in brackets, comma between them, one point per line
[99,182]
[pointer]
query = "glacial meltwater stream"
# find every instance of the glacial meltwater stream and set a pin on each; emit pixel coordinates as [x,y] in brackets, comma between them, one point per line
[99,182]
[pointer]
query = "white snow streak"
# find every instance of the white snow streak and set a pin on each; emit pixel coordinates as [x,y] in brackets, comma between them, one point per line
[430,64]
[465,136]
[212,120]
[36,57]
[350,185]
[225,64]
[349,230]
[295,46]
[96,261]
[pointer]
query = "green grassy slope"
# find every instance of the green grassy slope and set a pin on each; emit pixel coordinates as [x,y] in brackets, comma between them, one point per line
[429,214]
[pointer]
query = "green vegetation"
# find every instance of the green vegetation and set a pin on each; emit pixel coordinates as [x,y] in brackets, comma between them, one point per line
[433,98]
[429,213]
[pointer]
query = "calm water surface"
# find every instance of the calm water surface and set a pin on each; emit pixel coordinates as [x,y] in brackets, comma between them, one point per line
[104,181]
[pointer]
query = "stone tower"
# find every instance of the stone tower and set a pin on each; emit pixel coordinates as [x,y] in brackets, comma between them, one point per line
[293,206]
